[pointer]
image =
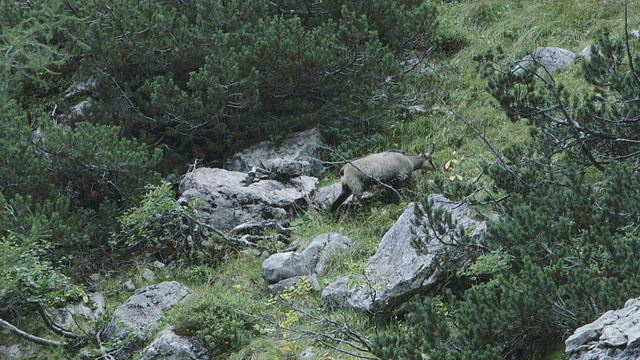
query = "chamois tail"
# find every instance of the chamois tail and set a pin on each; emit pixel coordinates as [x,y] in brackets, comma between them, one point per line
[346,191]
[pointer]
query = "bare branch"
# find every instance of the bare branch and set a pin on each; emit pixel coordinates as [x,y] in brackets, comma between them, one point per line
[32,338]
[55,327]
[484,139]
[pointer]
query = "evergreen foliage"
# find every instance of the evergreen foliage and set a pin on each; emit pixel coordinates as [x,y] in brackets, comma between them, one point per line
[235,72]
[597,126]
[174,81]
[166,83]
[571,252]
[197,79]
[567,237]
[219,325]
[71,181]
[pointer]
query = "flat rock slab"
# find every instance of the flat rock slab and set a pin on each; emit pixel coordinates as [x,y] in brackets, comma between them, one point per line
[227,201]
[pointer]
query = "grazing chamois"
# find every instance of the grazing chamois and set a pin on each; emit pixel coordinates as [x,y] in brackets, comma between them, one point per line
[391,168]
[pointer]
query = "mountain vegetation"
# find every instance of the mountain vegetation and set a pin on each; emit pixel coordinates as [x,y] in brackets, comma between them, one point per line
[105,104]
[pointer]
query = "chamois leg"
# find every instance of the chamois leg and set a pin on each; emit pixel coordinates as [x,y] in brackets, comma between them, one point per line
[346,191]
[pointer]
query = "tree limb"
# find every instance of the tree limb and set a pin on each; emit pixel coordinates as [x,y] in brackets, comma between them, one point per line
[55,327]
[32,338]
[484,139]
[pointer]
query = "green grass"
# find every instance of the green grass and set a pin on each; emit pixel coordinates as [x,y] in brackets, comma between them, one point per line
[518,27]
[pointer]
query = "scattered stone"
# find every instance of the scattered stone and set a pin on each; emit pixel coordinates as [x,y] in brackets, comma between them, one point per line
[308,353]
[285,265]
[14,351]
[291,264]
[322,248]
[585,53]
[159,265]
[546,59]
[136,319]
[416,109]
[286,284]
[169,346]
[96,279]
[71,315]
[615,335]
[129,285]
[79,88]
[148,275]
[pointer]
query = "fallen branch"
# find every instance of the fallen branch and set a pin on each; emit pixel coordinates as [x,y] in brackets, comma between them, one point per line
[32,338]
[245,240]
[54,326]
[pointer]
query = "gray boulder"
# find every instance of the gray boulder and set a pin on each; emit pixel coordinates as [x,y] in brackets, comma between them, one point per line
[72,315]
[585,53]
[322,248]
[397,272]
[312,260]
[301,152]
[169,346]
[134,321]
[281,266]
[326,195]
[545,59]
[615,335]
[16,351]
[286,284]
[228,202]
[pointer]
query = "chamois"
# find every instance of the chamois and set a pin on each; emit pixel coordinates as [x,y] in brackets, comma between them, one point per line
[391,167]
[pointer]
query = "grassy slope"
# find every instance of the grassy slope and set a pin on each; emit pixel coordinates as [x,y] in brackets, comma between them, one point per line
[519,27]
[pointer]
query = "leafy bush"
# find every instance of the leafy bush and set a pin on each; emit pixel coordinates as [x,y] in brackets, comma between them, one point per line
[217,323]
[27,281]
[157,225]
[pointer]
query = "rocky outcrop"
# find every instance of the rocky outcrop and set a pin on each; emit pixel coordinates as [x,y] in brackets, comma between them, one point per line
[71,316]
[282,267]
[169,346]
[136,319]
[397,271]
[614,336]
[300,152]
[546,59]
[228,201]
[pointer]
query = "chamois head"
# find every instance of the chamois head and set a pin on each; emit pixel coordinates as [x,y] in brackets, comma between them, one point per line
[427,162]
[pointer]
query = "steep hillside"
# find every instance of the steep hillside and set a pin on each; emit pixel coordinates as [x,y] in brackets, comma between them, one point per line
[560,198]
